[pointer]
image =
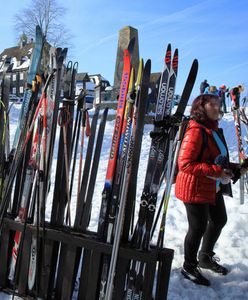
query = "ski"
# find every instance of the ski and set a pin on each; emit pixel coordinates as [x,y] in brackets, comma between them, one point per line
[106,194]
[86,171]
[162,157]
[35,61]
[104,226]
[88,199]
[153,154]
[3,116]
[121,161]
[62,175]
[4,126]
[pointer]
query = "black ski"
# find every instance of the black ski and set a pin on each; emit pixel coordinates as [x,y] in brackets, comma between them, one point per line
[135,146]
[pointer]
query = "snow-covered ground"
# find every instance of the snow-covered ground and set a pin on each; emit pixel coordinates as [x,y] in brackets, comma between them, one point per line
[231,247]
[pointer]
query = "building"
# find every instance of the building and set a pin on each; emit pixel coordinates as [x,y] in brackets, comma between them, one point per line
[15,61]
[91,83]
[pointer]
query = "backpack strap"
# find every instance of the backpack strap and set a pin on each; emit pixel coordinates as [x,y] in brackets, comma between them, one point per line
[204,143]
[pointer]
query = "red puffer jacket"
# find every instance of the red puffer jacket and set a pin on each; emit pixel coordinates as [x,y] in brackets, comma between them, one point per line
[192,182]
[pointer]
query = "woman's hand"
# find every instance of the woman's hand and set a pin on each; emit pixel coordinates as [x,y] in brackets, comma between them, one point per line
[226,174]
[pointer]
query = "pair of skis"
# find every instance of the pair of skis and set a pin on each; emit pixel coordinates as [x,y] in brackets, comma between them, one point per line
[162,145]
[156,159]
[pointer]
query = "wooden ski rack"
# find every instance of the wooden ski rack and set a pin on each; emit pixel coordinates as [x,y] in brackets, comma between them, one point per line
[90,269]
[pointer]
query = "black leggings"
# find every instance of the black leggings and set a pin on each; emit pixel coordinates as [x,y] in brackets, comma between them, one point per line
[205,221]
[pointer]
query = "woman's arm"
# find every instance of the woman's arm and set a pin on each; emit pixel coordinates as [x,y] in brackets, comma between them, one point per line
[189,153]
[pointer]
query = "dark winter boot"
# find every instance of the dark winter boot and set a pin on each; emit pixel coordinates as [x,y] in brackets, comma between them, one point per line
[192,272]
[209,261]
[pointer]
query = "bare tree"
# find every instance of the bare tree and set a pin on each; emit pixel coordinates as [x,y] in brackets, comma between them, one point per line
[49,16]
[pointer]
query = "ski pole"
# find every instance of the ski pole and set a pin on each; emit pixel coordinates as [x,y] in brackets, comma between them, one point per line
[75,140]
[84,116]
[63,121]
[166,195]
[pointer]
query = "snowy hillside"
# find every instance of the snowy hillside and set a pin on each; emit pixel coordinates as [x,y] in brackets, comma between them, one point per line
[232,245]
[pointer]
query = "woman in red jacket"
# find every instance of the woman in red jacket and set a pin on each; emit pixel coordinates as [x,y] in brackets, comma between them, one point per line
[198,185]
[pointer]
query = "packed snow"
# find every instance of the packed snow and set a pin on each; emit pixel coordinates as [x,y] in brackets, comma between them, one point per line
[231,246]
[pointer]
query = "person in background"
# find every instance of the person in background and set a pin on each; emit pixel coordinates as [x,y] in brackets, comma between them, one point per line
[200,184]
[212,89]
[222,95]
[203,86]
[235,95]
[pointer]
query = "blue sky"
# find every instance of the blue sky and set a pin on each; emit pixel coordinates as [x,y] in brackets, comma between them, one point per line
[214,32]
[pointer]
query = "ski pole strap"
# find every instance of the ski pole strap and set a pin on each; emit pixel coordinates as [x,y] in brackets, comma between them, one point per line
[159,134]
[64,117]
[168,121]
[88,129]
[182,128]
[237,173]
[162,126]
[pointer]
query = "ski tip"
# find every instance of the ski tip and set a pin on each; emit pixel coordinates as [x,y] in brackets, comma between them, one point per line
[64,51]
[148,64]
[194,66]
[141,65]
[195,62]
[175,59]
[176,52]
[105,112]
[167,58]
